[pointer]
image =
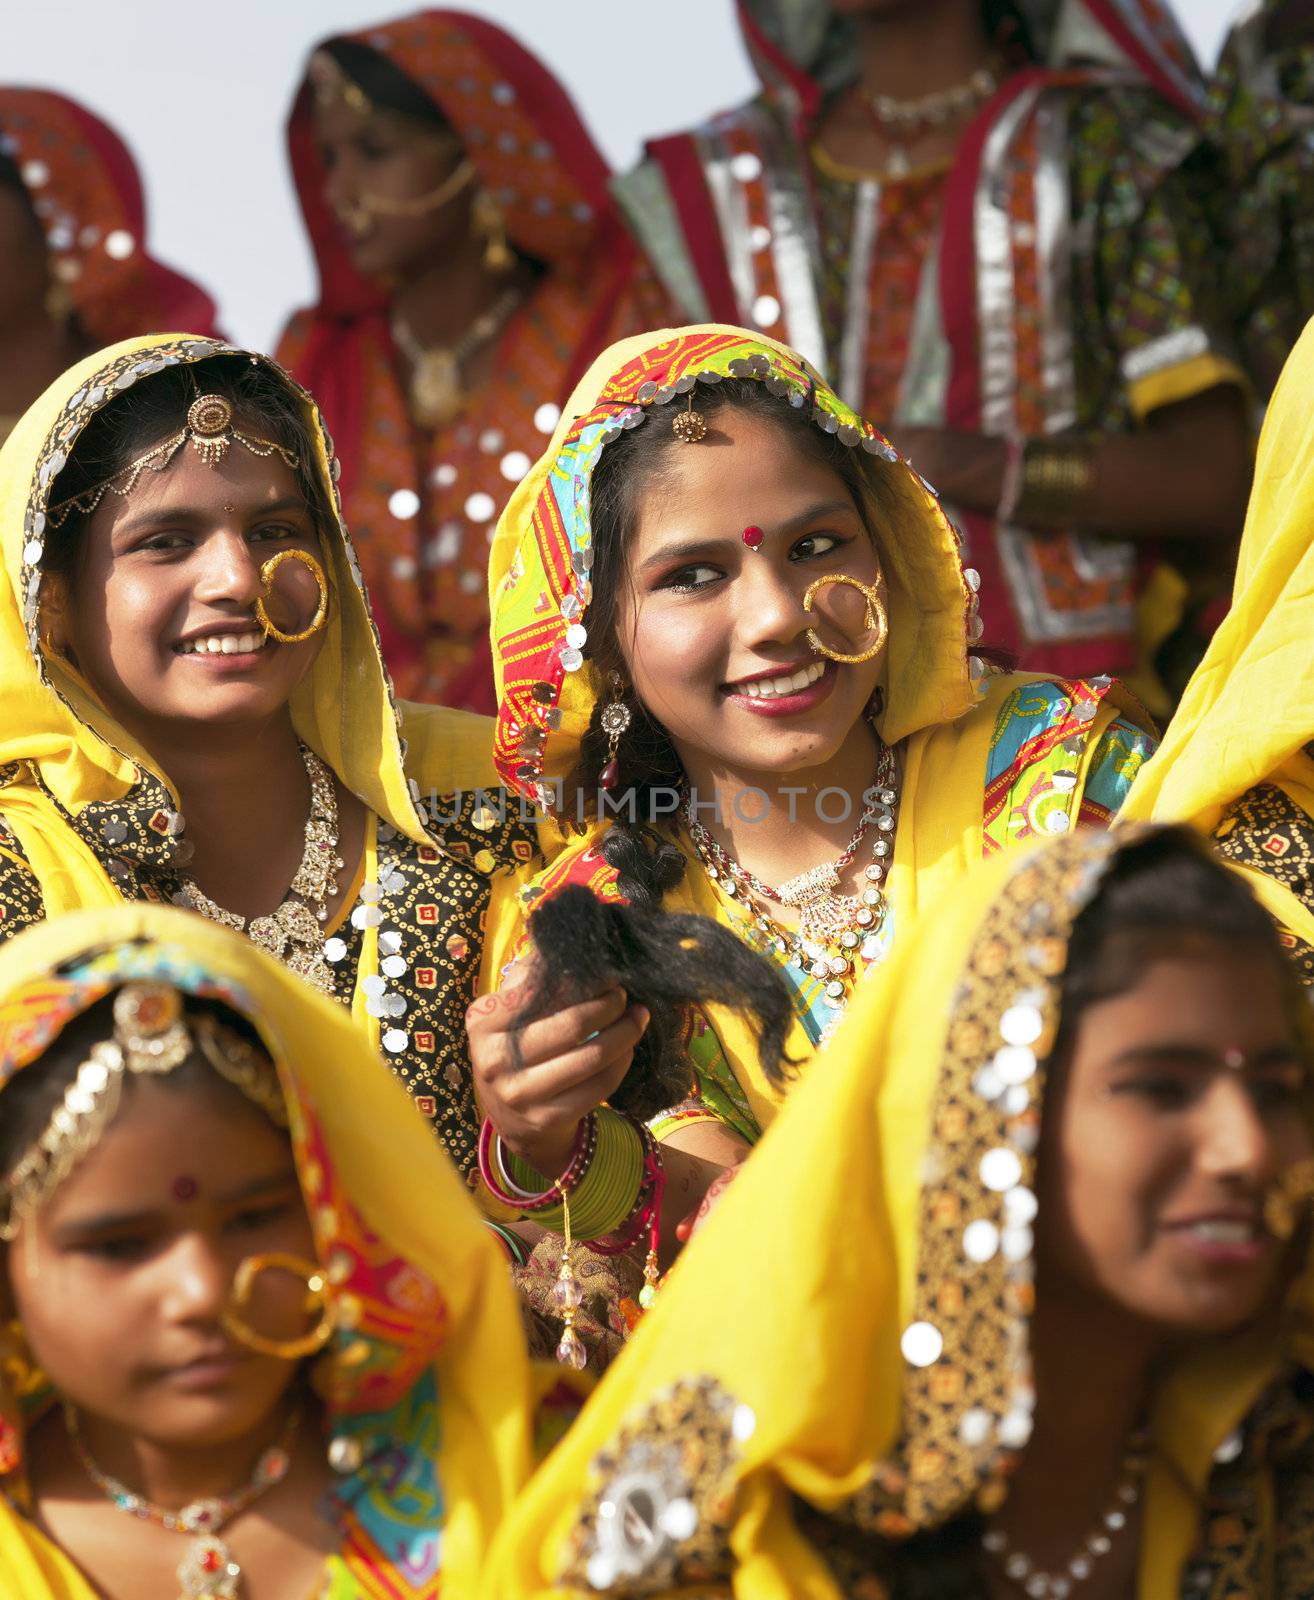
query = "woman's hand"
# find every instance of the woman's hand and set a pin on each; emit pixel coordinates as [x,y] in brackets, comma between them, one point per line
[570,1062]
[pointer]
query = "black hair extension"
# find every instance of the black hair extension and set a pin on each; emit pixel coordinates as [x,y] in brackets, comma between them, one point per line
[666,962]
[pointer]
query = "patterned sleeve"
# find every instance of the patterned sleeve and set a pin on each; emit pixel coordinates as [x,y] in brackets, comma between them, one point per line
[1116,760]
[1152,327]
[21,902]
[1261,102]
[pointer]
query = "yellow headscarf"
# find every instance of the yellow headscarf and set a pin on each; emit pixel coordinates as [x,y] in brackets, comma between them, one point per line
[424,1286]
[826,1340]
[62,753]
[1248,710]
[936,697]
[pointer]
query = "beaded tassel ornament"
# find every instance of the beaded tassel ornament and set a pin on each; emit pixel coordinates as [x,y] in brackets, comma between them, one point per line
[567,1297]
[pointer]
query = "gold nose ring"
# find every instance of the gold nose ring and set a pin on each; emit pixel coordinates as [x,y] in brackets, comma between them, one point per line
[876,616]
[267,583]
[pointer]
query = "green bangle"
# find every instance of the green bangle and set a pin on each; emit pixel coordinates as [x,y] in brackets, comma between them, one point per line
[607,1192]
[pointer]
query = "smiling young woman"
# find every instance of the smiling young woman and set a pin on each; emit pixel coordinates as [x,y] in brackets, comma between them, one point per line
[735,634]
[239,1355]
[1012,1303]
[160,741]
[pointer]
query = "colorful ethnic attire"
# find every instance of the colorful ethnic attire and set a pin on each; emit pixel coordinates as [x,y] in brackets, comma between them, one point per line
[1261,114]
[1047,282]
[988,761]
[89,819]
[1238,759]
[423,502]
[429,1415]
[804,1400]
[86,192]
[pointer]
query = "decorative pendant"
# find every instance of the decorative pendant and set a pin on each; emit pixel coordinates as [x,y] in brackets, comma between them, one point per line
[437,393]
[823,913]
[208,1569]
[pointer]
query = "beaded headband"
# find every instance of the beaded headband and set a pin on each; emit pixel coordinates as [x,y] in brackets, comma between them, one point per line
[151,1036]
[209,428]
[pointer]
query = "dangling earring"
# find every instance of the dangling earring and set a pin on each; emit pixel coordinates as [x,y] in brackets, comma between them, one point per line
[489,222]
[58,302]
[567,1296]
[616,717]
[1287,1202]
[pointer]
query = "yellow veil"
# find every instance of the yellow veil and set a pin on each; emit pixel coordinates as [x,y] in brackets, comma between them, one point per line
[1248,710]
[937,697]
[84,803]
[428,1306]
[826,1368]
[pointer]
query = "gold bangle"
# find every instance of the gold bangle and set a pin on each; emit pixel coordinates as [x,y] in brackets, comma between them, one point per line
[1057,474]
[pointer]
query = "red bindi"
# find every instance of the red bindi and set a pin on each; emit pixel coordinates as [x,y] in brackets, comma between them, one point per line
[185,1188]
[752,536]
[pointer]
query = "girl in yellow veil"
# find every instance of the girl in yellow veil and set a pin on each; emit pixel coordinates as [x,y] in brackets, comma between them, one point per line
[186,1407]
[1236,761]
[1012,1300]
[737,651]
[193,706]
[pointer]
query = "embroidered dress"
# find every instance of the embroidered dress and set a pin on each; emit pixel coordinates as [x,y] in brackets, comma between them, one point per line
[1261,115]
[987,761]
[1055,278]
[841,1362]
[1237,761]
[432,1410]
[89,819]
[423,504]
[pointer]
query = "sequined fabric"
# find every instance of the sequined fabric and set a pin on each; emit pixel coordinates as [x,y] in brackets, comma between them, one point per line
[1269,833]
[86,193]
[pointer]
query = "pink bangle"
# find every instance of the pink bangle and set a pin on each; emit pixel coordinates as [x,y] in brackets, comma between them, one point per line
[1010,488]
[586,1142]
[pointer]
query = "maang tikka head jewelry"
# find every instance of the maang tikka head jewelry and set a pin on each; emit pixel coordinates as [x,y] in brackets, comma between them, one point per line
[689,426]
[210,429]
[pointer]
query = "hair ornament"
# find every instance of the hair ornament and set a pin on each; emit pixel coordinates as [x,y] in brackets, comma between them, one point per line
[209,427]
[151,1035]
[689,426]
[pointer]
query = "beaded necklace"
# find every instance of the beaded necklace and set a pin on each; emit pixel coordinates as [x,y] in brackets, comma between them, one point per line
[208,1567]
[834,929]
[1038,1584]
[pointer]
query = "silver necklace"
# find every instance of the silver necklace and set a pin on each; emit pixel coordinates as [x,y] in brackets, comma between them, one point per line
[833,927]
[1038,1584]
[293,932]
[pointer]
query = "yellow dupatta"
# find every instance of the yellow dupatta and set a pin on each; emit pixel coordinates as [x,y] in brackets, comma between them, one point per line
[438,1359]
[825,1370]
[1248,710]
[939,703]
[87,806]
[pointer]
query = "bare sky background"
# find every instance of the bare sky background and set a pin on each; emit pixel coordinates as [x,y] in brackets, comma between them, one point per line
[200,91]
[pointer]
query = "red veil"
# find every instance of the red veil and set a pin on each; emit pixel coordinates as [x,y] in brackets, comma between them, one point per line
[87,194]
[427,569]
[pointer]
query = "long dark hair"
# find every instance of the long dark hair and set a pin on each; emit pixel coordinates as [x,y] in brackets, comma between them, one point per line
[667,963]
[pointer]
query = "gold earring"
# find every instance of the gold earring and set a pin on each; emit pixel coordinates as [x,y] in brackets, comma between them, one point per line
[876,617]
[266,583]
[1286,1202]
[316,1303]
[489,221]
[616,717]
